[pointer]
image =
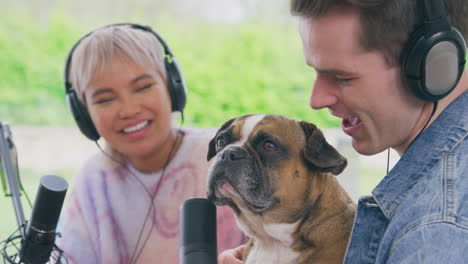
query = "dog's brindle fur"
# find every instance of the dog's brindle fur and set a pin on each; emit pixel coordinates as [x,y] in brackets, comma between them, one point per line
[297,190]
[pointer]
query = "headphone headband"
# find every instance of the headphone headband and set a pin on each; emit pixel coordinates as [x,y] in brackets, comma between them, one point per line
[167,50]
[435,18]
[433,10]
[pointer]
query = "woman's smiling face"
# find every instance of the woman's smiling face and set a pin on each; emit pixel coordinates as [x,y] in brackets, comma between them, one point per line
[130,106]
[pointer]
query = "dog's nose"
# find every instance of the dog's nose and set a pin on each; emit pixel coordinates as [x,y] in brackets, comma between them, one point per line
[233,153]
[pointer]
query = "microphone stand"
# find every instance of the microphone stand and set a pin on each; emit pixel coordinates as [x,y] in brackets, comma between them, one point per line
[6,145]
[9,248]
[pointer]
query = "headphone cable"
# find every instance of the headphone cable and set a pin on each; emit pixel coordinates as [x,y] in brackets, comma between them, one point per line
[434,108]
[152,201]
[141,183]
[137,252]
[388,159]
[178,132]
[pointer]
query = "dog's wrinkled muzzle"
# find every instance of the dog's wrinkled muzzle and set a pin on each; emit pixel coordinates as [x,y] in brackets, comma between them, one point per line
[235,167]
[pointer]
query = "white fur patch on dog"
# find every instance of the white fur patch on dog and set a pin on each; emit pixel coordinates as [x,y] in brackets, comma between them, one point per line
[274,250]
[271,254]
[282,232]
[272,244]
[249,125]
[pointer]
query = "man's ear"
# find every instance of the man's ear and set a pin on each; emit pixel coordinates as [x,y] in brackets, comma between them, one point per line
[212,144]
[319,153]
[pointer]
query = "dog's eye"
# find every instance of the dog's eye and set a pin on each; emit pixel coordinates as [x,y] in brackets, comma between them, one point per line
[220,143]
[270,146]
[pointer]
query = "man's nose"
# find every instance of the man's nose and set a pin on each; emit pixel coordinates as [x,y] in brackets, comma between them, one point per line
[323,94]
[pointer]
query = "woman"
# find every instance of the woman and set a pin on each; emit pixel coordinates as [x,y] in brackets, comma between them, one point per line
[123,84]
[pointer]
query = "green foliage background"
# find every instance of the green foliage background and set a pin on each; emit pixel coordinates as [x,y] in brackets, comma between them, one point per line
[230,70]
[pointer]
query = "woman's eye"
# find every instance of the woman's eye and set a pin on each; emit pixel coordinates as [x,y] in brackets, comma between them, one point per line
[142,88]
[269,146]
[103,100]
[220,143]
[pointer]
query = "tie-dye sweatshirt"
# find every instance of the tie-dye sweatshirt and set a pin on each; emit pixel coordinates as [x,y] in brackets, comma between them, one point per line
[103,220]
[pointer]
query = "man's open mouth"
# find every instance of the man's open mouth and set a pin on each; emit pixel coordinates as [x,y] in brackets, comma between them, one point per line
[350,125]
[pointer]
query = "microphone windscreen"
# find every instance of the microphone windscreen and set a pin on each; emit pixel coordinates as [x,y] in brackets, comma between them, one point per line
[198,244]
[48,204]
[40,234]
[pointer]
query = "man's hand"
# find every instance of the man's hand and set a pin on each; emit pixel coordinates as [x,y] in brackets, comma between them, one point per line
[232,256]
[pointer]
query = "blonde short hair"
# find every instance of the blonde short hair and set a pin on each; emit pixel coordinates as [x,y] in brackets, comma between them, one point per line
[96,52]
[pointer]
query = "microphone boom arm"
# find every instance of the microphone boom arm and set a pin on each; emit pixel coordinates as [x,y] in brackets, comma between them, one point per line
[6,144]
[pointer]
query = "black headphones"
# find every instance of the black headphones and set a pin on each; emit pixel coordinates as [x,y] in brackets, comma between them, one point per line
[433,58]
[175,84]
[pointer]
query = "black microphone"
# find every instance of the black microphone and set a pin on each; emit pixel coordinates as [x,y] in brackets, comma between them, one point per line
[40,234]
[198,244]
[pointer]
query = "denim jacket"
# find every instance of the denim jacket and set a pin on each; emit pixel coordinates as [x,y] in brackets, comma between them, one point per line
[419,212]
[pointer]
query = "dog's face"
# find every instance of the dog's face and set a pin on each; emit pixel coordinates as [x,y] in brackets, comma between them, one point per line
[266,165]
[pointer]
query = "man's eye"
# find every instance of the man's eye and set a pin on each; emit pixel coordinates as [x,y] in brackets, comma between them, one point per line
[269,146]
[343,80]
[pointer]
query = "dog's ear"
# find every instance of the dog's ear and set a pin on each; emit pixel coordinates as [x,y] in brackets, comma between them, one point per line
[211,149]
[212,144]
[321,154]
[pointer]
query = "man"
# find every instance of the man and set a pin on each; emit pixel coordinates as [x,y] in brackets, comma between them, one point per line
[373,72]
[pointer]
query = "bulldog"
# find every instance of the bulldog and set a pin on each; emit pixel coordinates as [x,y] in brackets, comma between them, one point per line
[277,174]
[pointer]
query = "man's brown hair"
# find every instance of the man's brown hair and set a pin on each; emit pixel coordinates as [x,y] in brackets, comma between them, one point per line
[386,24]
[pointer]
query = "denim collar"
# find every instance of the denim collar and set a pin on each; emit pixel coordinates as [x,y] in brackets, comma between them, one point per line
[441,136]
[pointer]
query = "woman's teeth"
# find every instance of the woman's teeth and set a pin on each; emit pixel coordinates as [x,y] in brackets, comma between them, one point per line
[136,127]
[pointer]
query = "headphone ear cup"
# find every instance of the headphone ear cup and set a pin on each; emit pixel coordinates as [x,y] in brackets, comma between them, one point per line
[432,66]
[81,116]
[176,85]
